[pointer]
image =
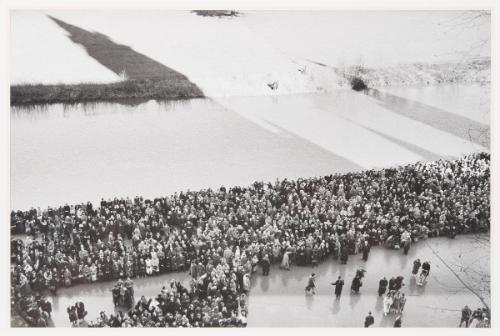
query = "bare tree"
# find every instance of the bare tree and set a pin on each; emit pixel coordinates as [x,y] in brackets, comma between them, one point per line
[474,275]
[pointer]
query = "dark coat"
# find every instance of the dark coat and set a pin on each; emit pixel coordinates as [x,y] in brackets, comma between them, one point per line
[369,320]
[339,284]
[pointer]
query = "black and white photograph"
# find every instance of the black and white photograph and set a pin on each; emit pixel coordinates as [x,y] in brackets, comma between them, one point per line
[249,167]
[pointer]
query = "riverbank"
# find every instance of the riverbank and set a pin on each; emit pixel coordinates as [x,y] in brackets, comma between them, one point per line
[260,54]
[143,89]
[141,76]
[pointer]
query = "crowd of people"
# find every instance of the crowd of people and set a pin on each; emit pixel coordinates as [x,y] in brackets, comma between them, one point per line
[35,310]
[176,306]
[221,235]
[123,293]
[478,318]
[76,313]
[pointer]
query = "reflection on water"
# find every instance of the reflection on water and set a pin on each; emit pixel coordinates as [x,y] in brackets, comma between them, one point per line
[81,152]
[78,153]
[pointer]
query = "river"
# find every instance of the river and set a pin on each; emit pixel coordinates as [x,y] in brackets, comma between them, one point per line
[77,153]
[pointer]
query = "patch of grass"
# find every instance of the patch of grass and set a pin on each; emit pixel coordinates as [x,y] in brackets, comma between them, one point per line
[140,89]
[145,78]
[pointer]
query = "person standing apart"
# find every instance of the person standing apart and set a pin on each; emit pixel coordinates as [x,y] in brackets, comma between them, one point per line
[397,323]
[311,285]
[339,284]
[466,315]
[369,320]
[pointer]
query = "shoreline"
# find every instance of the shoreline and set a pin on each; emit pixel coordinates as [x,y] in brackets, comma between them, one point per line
[132,89]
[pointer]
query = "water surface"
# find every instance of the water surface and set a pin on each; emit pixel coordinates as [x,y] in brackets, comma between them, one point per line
[79,153]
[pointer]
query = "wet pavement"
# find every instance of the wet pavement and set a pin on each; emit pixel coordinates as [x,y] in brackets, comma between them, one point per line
[279,300]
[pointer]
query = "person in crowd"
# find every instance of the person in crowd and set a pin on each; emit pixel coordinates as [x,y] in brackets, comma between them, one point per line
[397,322]
[426,269]
[72,315]
[228,231]
[382,286]
[388,301]
[360,273]
[339,284]
[416,267]
[366,250]
[266,265]
[369,320]
[402,303]
[356,284]
[34,309]
[466,316]
[285,263]
[398,283]
[392,284]
[311,284]
[80,310]
[176,306]
[405,241]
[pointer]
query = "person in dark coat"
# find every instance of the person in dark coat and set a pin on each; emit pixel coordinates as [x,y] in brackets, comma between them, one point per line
[366,250]
[266,265]
[466,317]
[360,273]
[80,310]
[311,285]
[392,284]
[399,283]
[73,317]
[344,254]
[356,284]
[339,284]
[46,307]
[426,266]
[115,291]
[369,320]
[397,323]
[382,286]
[416,267]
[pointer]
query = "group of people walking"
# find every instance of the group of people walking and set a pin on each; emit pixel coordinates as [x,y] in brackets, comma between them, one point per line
[299,222]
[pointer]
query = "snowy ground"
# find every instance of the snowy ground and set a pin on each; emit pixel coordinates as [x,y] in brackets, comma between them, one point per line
[241,55]
[42,53]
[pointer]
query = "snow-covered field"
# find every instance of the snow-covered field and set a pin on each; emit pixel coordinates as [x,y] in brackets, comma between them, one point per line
[239,56]
[41,53]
